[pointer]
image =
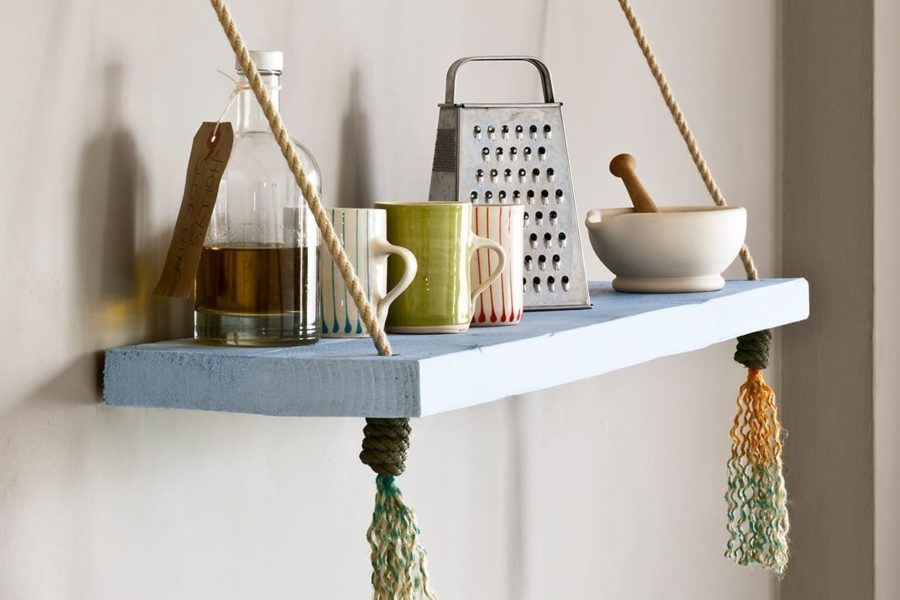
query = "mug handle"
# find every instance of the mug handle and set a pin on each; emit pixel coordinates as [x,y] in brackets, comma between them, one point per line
[383,247]
[482,242]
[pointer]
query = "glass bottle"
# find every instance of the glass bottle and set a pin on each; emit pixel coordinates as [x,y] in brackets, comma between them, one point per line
[256,284]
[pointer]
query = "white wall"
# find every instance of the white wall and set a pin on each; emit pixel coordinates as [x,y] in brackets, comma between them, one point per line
[607,488]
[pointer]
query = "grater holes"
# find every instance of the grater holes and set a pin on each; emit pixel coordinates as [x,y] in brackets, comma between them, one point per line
[476,131]
[499,154]
[519,131]
[492,132]
[547,131]
[538,218]
[530,195]
[521,175]
[479,176]
[533,240]
[551,174]
[504,132]
[545,197]
[536,175]
[527,219]
[494,174]
[551,283]
[488,196]
[542,262]
[536,282]
[507,175]
[562,238]
[513,153]
[501,195]
[473,196]
[527,152]
[553,217]
[559,196]
[517,198]
[548,239]
[565,283]
[542,153]
[529,264]
[486,153]
[533,131]
[556,261]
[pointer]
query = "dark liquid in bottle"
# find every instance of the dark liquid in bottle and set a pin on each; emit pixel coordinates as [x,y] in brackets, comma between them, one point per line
[256,295]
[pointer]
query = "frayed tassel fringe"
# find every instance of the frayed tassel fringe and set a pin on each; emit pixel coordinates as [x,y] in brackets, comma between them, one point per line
[398,561]
[757,500]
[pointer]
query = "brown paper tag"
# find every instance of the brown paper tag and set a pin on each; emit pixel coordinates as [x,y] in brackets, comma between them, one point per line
[205,168]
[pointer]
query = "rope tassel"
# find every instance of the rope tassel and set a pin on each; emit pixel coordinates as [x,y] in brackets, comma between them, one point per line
[757,500]
[398,561]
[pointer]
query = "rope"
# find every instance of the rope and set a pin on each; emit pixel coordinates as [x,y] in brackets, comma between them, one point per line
[686,133]
[335,248]
[753,349]
[398,561]
[385,442]
[758,521]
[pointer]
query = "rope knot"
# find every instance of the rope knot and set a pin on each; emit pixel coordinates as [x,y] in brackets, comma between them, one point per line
[753,349]
[385,442]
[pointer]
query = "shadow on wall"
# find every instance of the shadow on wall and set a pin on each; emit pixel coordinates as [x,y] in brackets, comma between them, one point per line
[118,256]
[354,189]
[113,263]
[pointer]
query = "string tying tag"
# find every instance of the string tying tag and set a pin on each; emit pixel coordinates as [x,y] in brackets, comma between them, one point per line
[235,92]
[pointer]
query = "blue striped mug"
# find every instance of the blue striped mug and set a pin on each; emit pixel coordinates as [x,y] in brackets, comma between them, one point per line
[363,232]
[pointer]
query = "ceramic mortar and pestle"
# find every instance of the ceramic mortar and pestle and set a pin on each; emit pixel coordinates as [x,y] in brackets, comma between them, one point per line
[668,249]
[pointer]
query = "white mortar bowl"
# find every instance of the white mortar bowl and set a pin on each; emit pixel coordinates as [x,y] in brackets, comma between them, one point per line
[679,249]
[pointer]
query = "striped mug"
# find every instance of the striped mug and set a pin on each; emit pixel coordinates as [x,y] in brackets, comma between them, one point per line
[363,232]
[502,302]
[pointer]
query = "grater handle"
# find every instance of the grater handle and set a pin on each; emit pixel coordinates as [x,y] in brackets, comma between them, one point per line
[546,84]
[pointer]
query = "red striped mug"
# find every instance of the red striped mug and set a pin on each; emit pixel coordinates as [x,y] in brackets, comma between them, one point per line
[503,301]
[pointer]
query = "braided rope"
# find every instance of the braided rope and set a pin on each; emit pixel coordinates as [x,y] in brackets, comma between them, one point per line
[753,349]
[306,187]
[398,561]
[686,133]
[385,442]
[756,498]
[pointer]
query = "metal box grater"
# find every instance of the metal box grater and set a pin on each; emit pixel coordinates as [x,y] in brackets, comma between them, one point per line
[516,153]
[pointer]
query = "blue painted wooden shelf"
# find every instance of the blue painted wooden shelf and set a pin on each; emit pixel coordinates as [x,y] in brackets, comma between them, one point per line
[430,374]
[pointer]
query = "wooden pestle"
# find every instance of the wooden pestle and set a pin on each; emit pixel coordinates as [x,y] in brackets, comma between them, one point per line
[622,166]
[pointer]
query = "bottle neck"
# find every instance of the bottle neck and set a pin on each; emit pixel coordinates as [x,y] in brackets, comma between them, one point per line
[250,116]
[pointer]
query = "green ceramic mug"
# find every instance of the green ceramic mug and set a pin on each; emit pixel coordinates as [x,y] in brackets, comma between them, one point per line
[441,297]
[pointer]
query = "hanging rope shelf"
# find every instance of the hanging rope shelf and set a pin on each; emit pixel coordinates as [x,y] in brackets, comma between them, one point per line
[434,373]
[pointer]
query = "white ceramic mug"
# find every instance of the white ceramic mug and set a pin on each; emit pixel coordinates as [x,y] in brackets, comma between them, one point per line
[363,232]
[503,301]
